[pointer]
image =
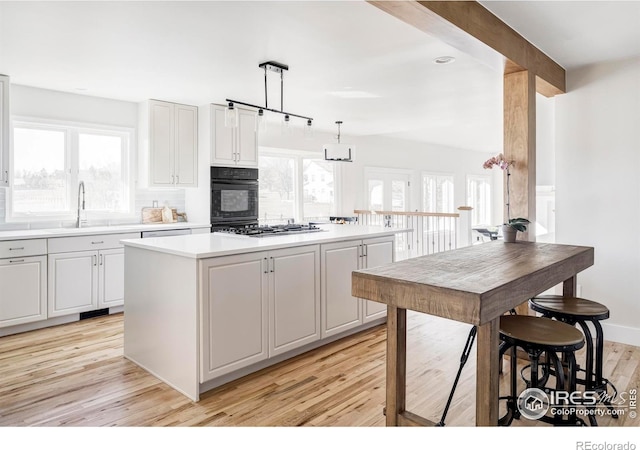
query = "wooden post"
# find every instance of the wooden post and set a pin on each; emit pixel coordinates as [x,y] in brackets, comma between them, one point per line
[520,147]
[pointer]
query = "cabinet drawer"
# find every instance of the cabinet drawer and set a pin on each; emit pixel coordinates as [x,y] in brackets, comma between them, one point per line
[25,247]
[95,242]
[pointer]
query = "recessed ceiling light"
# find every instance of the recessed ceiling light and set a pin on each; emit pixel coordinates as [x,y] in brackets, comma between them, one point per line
[444,60]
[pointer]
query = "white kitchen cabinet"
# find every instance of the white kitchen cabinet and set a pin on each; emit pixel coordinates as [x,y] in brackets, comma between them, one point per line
[377,252]
[234,146]
[340,310]
[4,131]
[86,273]
[294,298]
[23,296]
[110,278]
[73,286]
[258,305]
[234,313]
[173,144]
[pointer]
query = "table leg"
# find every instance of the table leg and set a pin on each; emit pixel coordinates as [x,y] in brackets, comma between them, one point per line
[396,363]
[487,376]
[570,287]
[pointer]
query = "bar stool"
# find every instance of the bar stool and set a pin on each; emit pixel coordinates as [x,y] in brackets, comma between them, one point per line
[573,310]
[538,336]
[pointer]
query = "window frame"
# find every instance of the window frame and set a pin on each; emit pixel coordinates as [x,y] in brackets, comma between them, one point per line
[437,175]
[72,131]
[298,157]
[489,181]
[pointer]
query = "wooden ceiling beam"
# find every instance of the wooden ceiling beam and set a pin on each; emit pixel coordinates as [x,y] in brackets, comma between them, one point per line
[471,28]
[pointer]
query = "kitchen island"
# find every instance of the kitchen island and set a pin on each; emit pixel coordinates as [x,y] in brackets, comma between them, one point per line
[205,309]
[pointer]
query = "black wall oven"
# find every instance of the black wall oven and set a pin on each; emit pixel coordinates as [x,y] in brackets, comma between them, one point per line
[234,197]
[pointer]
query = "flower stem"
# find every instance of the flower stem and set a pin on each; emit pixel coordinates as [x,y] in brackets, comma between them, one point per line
[508,200]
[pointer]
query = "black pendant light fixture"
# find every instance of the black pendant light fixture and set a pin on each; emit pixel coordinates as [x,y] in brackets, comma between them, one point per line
[231,113]
[338,151]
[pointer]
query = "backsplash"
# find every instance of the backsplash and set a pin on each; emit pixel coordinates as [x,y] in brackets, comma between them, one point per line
[143,198]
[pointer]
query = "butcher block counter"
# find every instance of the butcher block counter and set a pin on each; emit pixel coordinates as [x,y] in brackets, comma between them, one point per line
[475,285]
[202,310]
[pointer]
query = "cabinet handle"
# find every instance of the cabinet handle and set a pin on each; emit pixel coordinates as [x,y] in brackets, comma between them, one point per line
[177,179]
[101,259]
[11,261]
[273,265]
[266,265]
[97,242]
[6,176]
[364,250]
[95,260]
[16,248]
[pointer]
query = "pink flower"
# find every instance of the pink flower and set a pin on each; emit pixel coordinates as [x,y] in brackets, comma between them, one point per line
[497,160]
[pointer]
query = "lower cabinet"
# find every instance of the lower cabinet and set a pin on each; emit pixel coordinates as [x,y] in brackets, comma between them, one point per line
[257,305]
[24,290]
[340,310]
[73,282]
[86,273]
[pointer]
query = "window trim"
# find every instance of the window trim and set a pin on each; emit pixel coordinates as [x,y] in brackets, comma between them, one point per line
[72,130]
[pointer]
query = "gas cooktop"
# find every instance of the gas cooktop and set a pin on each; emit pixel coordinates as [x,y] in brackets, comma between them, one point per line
[271,230]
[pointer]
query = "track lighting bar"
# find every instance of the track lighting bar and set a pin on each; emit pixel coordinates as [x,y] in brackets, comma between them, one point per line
[268,109]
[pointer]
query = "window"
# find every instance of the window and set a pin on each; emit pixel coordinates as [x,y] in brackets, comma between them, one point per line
[49,161]
[295,186]
[437,193]
[479,198]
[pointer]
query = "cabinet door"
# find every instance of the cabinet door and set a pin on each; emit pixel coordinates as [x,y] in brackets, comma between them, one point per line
[294,298]
[234,313]
[222,140]
[186,150]
[377,252]
[247,139]
[23,284]
[161,143]
[111,278]
[340,311]
[73,286]
[4,130]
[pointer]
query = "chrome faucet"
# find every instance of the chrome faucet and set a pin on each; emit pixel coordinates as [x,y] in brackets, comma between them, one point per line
[80,189]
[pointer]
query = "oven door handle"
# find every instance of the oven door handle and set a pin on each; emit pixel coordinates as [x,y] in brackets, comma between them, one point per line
[216,183]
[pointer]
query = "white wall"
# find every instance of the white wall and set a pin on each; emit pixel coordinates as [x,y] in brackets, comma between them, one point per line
[598,187]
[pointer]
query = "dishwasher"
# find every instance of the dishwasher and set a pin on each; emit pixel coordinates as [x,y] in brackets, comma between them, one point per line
[163,233]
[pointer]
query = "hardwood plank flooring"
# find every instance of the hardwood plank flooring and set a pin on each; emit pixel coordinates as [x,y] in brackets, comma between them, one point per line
[75,375]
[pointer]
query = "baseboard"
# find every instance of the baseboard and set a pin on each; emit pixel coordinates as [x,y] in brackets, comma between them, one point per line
[621,333]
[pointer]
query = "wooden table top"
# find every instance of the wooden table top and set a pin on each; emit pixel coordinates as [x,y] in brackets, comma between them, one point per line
[473,284]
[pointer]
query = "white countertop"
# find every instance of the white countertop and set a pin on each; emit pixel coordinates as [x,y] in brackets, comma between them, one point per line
[88,230]
[221,244]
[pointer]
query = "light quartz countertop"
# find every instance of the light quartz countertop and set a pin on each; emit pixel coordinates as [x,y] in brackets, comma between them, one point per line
[89,230]
[222,244]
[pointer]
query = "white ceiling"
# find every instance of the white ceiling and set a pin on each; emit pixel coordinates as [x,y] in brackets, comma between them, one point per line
[203,52]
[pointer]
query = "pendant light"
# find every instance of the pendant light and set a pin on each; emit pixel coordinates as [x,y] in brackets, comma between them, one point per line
[338,151]
[231,112]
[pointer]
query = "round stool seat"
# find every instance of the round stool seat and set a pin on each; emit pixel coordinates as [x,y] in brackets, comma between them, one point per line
[539,331]
[569,307]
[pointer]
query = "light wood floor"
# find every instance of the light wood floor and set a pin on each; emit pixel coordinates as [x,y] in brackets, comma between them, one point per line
[75,375]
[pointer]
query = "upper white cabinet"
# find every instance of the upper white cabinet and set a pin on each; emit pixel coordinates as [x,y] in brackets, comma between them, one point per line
[4,131]
[234,146]
[173,144]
